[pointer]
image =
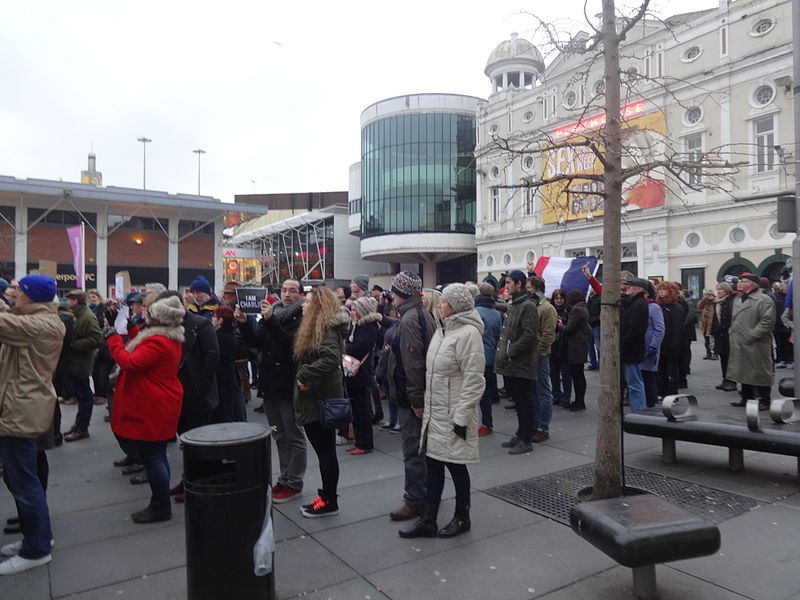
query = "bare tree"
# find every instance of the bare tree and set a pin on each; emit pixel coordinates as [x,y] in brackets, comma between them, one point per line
[620,160]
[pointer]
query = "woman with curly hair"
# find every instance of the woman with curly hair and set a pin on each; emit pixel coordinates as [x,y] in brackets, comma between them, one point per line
[669,360]
[318,354]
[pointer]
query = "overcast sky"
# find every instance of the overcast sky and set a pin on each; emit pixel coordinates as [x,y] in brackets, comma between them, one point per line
[273,92]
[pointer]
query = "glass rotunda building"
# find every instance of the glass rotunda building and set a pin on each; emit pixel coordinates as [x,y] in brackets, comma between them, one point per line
[412,198]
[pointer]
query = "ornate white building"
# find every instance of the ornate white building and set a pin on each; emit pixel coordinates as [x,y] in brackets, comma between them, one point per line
[719,78]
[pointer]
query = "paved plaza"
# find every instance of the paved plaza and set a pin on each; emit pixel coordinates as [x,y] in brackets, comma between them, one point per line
[511,553]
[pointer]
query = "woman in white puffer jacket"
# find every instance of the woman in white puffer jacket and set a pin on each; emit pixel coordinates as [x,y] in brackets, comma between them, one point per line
[453,388]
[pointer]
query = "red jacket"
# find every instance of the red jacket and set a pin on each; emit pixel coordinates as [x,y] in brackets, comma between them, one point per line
[148,396]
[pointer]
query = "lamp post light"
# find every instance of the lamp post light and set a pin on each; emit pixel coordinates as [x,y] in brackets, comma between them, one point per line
[199,153]
[144,141]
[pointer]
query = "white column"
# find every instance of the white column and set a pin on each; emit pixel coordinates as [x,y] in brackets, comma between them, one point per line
[429,274]
[218,227]
[101,251]
[21,240]
[172,252]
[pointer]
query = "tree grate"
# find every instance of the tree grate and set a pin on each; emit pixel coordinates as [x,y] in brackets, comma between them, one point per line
[554,495]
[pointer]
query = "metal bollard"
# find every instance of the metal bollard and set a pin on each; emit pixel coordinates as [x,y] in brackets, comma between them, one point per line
[226,469]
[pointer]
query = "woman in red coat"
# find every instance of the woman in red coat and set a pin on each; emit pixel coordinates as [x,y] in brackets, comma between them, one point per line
[147,400]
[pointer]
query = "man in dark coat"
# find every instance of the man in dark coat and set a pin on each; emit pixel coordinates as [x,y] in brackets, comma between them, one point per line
[517,360]
[198,372]
[415,330]
[632,330]
[274,336]
[83,342]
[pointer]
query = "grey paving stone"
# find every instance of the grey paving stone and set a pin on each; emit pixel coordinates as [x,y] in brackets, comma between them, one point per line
[353,589]
[372,545]
[508,566]
[758,557]
[156,548]
[505,468]
[302,564]
[167,585]
[30,585]
[617,583]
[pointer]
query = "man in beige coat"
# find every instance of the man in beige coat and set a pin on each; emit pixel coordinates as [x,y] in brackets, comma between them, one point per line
[750,336]
[31,335]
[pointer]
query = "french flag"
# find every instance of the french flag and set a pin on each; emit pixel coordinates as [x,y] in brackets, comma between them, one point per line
[565,273]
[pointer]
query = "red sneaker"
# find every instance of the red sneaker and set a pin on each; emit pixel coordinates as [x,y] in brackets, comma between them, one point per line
[277,489]
[482,431]
[285,495]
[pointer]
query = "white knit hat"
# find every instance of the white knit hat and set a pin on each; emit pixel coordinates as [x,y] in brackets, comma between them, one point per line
[167,312]
[458,296]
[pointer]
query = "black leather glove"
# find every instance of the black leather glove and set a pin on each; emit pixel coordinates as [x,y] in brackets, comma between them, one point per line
[460,431]
[108,331]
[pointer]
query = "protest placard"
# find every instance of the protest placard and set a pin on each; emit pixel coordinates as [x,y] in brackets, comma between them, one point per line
[249,299]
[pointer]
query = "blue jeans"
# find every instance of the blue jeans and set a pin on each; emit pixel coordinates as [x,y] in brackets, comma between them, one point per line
[543,396]
[19,473]
[633,378]
[594,348]
[416,469]
[154,458]
[85,401]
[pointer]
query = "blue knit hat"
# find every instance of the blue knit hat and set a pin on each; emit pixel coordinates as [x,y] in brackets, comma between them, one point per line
[39,288]
[133,297]
[200,284]
[3,285]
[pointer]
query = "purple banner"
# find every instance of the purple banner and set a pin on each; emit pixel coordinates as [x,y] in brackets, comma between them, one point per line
[74,234]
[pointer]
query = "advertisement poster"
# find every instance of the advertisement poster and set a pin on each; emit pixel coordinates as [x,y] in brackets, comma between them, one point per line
[643,141]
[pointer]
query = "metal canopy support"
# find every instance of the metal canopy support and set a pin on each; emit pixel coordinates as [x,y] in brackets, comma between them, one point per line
[198,228]
[43,215]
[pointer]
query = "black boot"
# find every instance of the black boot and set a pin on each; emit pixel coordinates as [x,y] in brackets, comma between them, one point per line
[459,524]
[425,526]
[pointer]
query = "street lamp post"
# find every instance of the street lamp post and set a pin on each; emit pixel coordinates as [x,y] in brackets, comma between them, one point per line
[199,153]
[144,141]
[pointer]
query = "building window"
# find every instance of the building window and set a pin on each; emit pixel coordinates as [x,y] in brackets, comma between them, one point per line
[774,233]
[553,103]
[692,54]
[527,117]
[582,93]
[660,64]
[628,250]
[737,235]
[599,88]
[723,40]
[527,202]
[763,95]
[489,260]
[693,240]
[530,256]
[528,163]
[648,64]
[577,252]
[764,132]
[545,108]
[693,148]
[693,280]
[494,172]
[762,27]
[495,205]
[494,129]
[693,115]
[506,258]
[570,99]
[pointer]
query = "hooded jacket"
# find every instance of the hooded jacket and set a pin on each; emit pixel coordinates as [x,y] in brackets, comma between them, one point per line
[84,342]
[321,369]
[360,344]
[516,353]
[31,337]
[454,386]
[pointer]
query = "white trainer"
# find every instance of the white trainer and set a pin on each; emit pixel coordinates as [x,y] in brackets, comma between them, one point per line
[11,549]
[17,564]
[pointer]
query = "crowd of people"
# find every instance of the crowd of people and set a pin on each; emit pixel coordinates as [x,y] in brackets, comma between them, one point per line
[163,363]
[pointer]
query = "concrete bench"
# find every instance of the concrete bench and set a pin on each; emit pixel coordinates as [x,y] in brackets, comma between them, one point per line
[641,531]
[782,436]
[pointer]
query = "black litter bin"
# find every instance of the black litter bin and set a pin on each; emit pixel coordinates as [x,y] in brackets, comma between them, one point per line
[226,471]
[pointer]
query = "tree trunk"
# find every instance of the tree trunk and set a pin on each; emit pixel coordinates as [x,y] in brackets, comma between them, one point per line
[608,456]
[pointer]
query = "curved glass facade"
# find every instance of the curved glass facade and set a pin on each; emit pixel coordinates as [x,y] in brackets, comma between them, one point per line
[418,174]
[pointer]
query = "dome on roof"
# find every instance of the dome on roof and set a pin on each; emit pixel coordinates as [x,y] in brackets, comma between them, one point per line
[517,50]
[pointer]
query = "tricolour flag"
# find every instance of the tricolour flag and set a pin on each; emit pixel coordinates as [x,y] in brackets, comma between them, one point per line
[565,273]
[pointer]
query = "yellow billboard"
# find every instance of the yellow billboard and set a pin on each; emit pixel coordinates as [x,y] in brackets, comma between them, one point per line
[572,197]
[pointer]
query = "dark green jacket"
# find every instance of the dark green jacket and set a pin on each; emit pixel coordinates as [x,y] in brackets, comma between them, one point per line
[516,352]
[321,369]
[83,343]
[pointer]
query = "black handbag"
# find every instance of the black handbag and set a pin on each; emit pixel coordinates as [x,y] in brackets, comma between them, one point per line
[335,412]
